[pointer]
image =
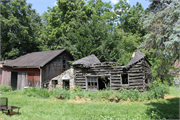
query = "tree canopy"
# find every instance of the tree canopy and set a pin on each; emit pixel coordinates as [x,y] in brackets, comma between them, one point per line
[20,25]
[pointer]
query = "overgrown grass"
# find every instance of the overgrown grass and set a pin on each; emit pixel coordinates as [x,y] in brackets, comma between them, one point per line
[52,108]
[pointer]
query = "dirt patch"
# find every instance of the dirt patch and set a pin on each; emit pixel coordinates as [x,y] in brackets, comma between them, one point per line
[169,97]
[79,100]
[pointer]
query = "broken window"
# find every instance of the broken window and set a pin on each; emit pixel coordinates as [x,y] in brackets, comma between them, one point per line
[92,83]
[66,84]
[54,83]
[124,78]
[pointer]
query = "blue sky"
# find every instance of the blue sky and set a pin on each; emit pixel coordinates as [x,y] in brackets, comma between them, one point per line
[41,5]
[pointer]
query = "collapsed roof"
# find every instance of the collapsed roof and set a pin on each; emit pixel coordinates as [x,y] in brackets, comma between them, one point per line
[87,61]
[93,60]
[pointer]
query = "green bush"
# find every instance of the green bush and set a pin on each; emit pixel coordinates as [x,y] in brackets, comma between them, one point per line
[77,88]
[60,93]
[115,97]
[37,92]
[4,88]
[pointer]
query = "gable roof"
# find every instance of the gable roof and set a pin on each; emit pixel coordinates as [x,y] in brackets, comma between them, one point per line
[34,59]
[87,61]
[138,56]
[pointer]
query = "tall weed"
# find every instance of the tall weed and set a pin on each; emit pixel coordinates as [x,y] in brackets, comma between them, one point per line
[4,88]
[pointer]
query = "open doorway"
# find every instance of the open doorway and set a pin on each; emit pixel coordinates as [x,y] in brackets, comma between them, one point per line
[14,80]
[66,84]
[104,82]
[124,78]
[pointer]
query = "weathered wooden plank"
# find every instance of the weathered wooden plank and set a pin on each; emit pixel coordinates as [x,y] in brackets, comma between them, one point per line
[81,84]
[115,81]
[115,78]
[134,72]
[138,77]
[115,75]
[140,83]
[80,81]
[119,85]
[139,74]
[137,80]
[83,78]
[115,88]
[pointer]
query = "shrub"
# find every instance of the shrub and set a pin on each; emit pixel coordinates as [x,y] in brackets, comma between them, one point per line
[4,88]
[37,92]
[124,94]
[60,93]
[115,97]
[133,95]
[77,88]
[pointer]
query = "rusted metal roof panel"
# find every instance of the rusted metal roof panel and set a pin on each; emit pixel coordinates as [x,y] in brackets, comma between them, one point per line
[35,59]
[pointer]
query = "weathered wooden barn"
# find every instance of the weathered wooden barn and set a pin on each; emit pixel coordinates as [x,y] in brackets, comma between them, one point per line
[91,74]
[34,69]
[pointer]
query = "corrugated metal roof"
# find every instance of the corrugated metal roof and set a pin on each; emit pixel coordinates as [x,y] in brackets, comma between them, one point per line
[34,59]
[87,61]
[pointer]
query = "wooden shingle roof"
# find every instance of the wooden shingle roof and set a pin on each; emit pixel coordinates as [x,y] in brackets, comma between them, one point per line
[87,61]
[34,59]
[138,56]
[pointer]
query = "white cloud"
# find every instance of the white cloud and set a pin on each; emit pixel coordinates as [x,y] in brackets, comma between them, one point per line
[114,1]
[54,4]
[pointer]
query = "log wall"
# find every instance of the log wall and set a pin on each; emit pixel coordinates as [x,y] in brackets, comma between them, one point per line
[137,74]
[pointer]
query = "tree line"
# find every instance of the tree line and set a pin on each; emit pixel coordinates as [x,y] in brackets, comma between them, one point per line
[112,33]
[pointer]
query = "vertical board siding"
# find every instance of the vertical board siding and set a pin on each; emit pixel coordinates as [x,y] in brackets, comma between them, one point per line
[22,80]
[6,78]
[55,67]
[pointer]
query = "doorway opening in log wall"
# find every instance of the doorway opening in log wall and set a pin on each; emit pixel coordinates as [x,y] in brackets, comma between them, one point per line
[124,78]
[104,82]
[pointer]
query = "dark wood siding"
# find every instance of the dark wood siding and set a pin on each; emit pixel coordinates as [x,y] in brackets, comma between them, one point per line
[55,67]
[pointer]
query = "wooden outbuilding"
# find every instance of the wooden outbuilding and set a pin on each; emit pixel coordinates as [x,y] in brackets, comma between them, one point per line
[91,74]
[34,69]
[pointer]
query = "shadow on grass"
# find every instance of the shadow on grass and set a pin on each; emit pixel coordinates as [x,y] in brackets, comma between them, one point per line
[168,109]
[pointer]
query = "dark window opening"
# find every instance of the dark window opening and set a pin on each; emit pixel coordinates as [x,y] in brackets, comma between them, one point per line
[14,80]
[66,84]
[104,83]
[124,78]
[54,83]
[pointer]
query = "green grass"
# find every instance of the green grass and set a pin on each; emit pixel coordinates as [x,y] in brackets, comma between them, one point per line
[53,109]
[174,91]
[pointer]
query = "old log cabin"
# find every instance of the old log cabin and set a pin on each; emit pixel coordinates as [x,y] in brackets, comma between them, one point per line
[34,69]
[91,74]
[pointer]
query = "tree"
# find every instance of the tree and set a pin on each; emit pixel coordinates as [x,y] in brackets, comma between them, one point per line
[130,17]
[60,20]
[20,26]
[163,25]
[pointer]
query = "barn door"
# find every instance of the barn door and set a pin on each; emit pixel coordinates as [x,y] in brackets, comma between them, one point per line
[22,80]
[6,78]
[14,80]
